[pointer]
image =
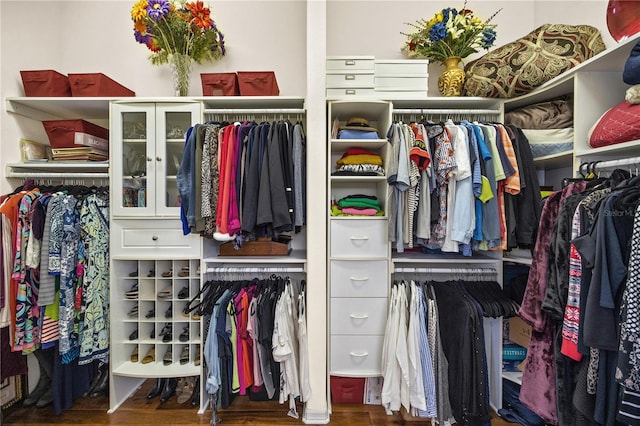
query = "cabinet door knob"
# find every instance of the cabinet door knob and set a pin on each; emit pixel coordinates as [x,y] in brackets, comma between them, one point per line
[154,238]
[149,159]
[158,159]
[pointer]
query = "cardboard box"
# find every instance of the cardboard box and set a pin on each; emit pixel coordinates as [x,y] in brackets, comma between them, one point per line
[97,85]
[519,331]
[62,133]
[347,390]
[45,83]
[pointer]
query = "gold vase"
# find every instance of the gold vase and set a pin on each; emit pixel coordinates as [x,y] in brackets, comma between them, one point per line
[451,80]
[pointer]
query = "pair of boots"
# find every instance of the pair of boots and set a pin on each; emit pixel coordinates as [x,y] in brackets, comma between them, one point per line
[166,388]
[163,387]
[100,384]
[42,395]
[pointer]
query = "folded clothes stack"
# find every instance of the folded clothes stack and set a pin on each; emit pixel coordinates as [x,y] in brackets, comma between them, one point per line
[359,162]
[357,205]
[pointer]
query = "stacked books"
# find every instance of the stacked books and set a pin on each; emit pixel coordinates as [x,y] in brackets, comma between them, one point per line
[87,148]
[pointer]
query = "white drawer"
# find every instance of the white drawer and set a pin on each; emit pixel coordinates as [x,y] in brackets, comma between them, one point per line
[401,83]
[356,355]
[401,68]
[359,278]
[347,80]
[347,63]
[351,93]
[397,95]
[152,238]
[359,238]
[358,316]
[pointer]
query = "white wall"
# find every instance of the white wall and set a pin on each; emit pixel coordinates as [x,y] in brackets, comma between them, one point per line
[97,36]
[364,27]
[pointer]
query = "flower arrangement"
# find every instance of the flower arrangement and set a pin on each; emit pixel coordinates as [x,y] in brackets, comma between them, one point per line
[450,33]
[177,27]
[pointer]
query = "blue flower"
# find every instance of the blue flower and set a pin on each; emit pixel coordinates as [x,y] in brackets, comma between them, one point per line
[488,38]
[156,9]
[446,12]
[437,32]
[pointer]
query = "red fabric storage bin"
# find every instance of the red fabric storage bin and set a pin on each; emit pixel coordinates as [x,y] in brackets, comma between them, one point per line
[347,390]
[220,84]
[62,133]
[45,83]
[258,83]
[97,85]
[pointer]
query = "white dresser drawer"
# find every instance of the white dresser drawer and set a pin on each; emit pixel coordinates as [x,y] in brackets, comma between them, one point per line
[401,83]
[347,80]
[401,68]
[359,238]
[152,238]
[356,355]
[359,278]
[351,93]
[350,63]
[358,316]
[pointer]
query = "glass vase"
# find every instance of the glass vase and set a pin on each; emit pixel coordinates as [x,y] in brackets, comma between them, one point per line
[451,80]
[181,66]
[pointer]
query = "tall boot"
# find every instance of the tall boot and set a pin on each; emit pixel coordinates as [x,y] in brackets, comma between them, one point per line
[169,389]
[157,388]
[102,386]
[44,382]
[96,379]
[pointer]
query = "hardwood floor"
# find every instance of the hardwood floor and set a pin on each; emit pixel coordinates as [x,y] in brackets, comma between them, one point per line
[140,411]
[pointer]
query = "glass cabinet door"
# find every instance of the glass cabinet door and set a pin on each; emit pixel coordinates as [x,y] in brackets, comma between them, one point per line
[133,150]
[173,122]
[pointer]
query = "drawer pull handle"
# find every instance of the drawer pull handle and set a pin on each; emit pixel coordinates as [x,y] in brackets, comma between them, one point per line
[350,92]
[154,238]
[359,279]
[349,77]
[359,354]
[354,316]
[359,238]
[350,62]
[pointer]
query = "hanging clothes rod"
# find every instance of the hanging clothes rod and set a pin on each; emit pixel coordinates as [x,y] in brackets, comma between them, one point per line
[617,163]
[231,111]
[65,176]
[428,111]
[445,270]
[281,270]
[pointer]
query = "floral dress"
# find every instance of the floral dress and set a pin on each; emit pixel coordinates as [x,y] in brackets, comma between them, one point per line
[67,324]
[94,235]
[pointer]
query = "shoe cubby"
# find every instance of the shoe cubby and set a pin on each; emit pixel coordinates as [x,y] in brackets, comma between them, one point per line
[151,335]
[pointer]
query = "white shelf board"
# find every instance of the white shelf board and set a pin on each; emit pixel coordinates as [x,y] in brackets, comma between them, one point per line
[554,161]
[43,108]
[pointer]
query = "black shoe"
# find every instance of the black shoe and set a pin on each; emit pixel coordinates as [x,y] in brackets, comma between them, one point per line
[46,399]
[195,399]
[96,379]
[156,389]
[44,384]
[102,387]
[169,389]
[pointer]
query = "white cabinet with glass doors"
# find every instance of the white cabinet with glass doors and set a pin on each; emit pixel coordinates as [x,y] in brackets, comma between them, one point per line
[147,142]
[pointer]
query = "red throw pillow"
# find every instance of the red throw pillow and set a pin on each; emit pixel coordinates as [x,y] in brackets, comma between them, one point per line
[621,123]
